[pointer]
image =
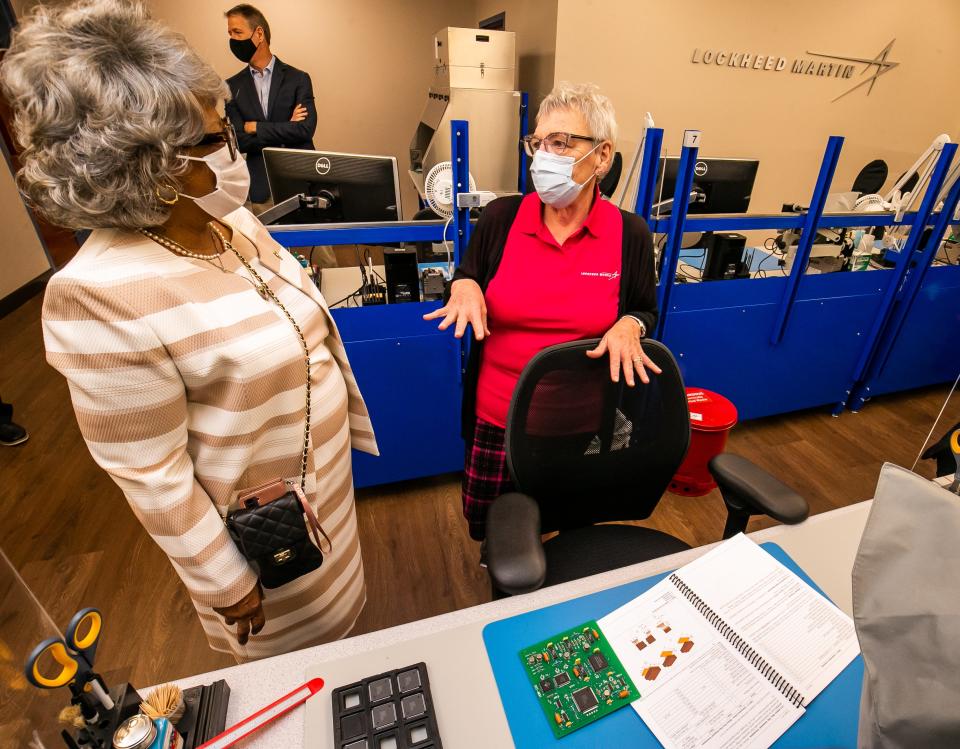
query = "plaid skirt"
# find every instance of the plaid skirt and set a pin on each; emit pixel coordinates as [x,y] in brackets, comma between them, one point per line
[485,475]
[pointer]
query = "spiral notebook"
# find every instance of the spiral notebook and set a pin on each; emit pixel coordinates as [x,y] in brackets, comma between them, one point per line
[729,650]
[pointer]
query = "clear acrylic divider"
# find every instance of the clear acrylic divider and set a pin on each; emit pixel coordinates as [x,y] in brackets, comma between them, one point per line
[28,715]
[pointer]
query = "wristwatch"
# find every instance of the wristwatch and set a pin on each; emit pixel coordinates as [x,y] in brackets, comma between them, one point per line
[643,328]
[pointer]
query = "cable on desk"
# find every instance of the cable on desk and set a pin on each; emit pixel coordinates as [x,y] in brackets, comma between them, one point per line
[446,244]
[770,245]
[761,269]
[368,259]
[347,298]
[699,276]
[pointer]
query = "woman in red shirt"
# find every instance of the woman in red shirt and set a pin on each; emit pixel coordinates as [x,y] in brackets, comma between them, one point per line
[558,265]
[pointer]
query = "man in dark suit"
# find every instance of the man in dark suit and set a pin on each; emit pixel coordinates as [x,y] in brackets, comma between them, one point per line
[272,102]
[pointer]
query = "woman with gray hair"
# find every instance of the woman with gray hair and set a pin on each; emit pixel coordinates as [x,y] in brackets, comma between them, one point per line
[558,265]
[200,357]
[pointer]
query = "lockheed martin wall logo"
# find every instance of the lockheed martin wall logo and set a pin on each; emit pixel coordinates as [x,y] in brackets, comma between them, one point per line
[878,65]
[827,66]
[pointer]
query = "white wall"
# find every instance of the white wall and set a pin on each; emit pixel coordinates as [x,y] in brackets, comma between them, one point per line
[22,257]
[639,52]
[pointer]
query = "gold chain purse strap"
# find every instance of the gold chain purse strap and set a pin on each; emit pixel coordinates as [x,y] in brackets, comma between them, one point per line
[267,293]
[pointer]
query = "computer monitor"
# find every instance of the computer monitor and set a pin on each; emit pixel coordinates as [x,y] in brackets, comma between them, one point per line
[359,188]
[721,185]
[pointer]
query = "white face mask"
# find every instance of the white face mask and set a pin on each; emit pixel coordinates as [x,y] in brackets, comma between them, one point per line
[233,183]
[553,177]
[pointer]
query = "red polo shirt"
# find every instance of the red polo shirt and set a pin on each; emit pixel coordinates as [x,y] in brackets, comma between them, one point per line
[546,293]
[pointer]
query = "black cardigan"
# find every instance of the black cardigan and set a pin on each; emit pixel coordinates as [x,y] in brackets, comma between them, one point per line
[638,283]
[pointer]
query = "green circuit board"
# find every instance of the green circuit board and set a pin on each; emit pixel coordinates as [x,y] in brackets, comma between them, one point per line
[577,677]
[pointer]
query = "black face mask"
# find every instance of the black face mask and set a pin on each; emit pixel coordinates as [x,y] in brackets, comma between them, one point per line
[243,49]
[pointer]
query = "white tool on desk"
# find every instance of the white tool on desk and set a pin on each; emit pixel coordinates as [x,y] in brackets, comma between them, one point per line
[259,719]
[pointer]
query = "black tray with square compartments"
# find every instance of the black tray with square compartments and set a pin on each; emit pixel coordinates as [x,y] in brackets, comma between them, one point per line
[392,710]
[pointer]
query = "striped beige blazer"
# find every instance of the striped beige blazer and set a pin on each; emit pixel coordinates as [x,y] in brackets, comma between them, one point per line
[189,386]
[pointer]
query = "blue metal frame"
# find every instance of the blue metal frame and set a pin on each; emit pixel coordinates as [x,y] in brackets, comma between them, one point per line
[524,125]
[817,201]
[882,337]
[918,273]
[460,156]
[779,221]
[819,325]
[924,352]
[828,330]
[402,231]
[647,181]
[671,250]
[392,350]
[459,148]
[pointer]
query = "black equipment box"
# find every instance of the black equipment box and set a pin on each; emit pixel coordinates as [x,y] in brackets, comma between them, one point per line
[403,277]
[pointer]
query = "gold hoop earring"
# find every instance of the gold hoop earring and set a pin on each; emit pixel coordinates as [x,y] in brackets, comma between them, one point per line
[168,201]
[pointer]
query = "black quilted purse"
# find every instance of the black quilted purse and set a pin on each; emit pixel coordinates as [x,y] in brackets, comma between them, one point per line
[270,523]
[270,529]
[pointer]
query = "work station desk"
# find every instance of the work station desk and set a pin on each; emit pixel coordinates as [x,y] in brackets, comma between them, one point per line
[469,712]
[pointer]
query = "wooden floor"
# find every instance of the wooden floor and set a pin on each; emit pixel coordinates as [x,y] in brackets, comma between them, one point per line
[68,530]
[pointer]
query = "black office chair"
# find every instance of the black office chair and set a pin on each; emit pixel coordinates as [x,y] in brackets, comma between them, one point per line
[871,178]
[910,183]
[582,450]
[611,179]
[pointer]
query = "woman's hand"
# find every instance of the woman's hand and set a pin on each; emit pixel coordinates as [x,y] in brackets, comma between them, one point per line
[247,614]
[466,305]
[622,342]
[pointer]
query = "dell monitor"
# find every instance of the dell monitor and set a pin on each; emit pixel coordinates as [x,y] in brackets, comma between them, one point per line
[351,187]
[719,185]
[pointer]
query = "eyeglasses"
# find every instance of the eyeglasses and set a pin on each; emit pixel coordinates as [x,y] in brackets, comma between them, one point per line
[227,135]
[556,143]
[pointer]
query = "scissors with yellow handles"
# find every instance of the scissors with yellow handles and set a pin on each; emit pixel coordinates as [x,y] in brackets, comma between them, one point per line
[73,655]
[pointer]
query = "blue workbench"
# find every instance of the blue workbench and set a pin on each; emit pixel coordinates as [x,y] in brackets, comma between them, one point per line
[771,345]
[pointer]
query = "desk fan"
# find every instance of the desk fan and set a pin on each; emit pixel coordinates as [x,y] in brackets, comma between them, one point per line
[438,189]
[438,192]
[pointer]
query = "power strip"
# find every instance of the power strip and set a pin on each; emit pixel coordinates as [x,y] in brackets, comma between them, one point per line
[476,199]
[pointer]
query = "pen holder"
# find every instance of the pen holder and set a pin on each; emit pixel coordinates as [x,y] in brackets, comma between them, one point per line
[126,703]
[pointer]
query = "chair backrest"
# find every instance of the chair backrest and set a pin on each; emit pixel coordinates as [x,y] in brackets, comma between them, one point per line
[590,450]
[910,183]
[871,178]
[611,179]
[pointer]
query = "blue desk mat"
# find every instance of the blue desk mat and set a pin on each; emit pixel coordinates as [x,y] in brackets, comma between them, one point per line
[830,721]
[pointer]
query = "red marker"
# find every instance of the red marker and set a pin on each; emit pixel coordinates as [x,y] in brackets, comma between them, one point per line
[258,720]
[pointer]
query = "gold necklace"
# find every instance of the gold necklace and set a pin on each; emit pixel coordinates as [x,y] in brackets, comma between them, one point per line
[178,248]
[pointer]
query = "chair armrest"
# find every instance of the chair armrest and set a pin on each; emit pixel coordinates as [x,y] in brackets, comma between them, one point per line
[748,489]
[515,557]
